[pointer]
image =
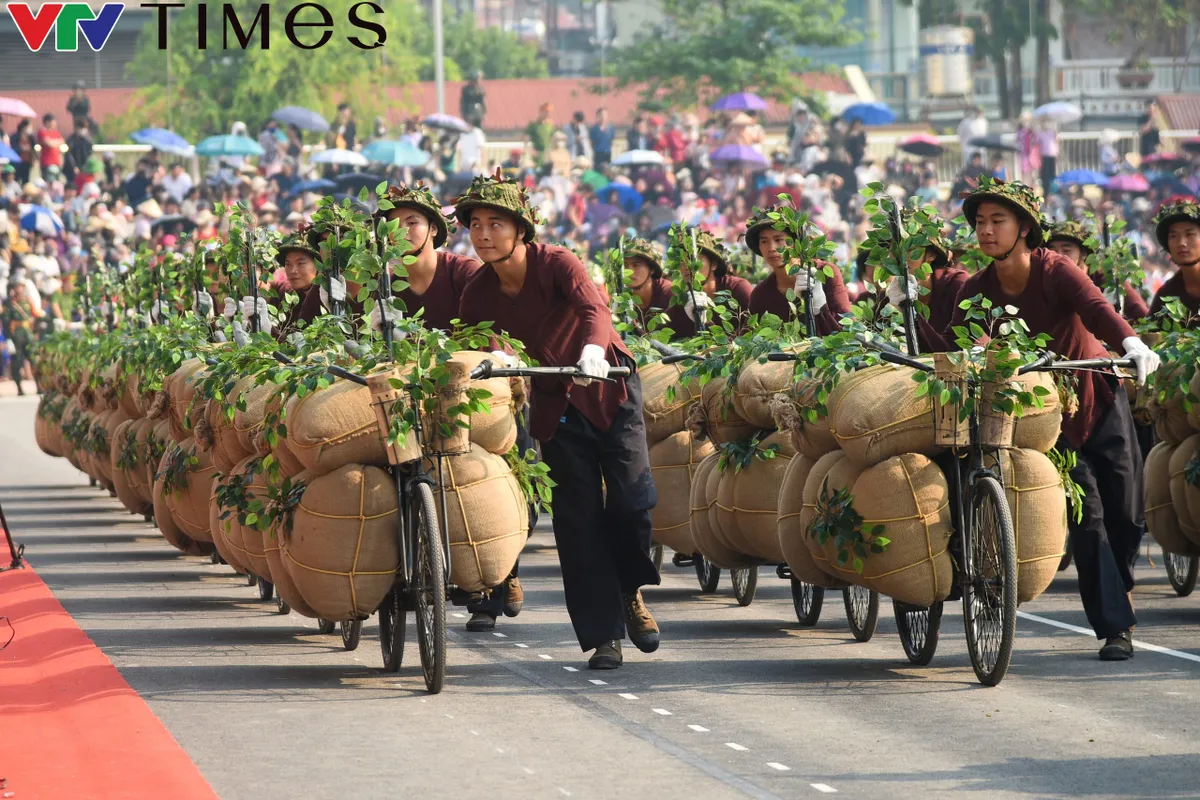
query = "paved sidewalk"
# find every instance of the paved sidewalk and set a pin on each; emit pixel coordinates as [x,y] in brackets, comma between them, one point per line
[9,389]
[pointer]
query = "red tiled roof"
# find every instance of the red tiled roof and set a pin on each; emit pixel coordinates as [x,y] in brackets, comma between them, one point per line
[1181,110]
[511,103]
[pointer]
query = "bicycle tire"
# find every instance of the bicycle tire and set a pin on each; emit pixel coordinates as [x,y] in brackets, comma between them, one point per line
[1181,572]
[919,629]
[251,580]
[393,619]
[266,589]
[429,588]
[862,611]
[992,560]
[351,633]
[325,626]
[282,606]
[807,600]
[708,574]
[745,584]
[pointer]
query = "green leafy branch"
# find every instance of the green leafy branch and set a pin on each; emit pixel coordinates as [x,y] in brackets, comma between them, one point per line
[741,454]
[836,520]
[533,476]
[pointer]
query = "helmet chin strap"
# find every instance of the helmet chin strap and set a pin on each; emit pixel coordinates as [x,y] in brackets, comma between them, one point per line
[1008,252]
[424,244]
[1191,263]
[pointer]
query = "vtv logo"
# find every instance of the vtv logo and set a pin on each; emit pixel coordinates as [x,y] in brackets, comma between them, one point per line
[67,20]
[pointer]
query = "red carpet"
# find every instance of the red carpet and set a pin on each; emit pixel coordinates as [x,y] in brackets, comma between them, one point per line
[70,726]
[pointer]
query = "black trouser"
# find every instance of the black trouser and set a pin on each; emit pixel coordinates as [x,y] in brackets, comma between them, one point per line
[1105,543]
[1049,173]
[603,539]
[494,603]
[17,364]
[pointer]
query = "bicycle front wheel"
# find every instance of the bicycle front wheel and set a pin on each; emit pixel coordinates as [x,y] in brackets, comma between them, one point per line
[990,593]
[708,574]
[807,600]
[862,611]
[1181,572]
[745,584]
[429,587]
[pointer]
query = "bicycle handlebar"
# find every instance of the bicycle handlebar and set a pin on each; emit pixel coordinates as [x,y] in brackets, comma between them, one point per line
[489,369]
[677,357]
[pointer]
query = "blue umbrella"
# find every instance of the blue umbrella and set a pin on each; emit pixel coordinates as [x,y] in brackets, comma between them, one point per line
[320,186]
[742,101]
[8,154]
[228,145]
[738,154]
[628,198]
[42,220]
[163,140]
[303,118]
[869,114]
[395,153]
[1170,184]
[1082,177]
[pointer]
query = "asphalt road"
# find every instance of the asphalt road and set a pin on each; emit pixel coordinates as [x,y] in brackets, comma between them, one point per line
[737,701]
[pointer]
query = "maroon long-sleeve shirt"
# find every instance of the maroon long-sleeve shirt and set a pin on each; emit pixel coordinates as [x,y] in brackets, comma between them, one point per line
[441,298]
[660,301]
[738,288]
[1061,301]
[1135,304]
[766,298]
[1174,287]
[307,308]
[934,334]
[557,311]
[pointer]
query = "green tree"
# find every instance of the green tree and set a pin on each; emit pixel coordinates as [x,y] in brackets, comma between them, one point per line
[494,52]
[202,92]
[1137,23]
[728,46]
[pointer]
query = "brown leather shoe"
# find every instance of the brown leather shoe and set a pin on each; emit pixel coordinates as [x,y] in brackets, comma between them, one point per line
[514,596]
[643,630]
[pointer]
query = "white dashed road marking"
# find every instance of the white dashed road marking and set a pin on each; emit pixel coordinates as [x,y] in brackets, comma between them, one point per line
[1153,648]
[499,635]
[661,711]
[597,682]
[522,645]
[545,657]
[778,766]
[736,746]
[698,728]
[628,696]
[824,787]
[570,669]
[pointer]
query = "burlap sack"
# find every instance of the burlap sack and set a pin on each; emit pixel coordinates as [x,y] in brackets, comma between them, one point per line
[715,417]
[160,435]
[495,430]
[71,412]
[101,462]
[166,521]
[244,543]
[221,530]
[137,475]
[830,471]
[42,433]
[673,463]
[748,502]
[180,387]
[486,516]
[1161,519]
[707,534]
[224,444]
[757,385]
[1038,428]
[1038,504]
[909,496]
[1171,423]
[1191,494]
[248,423]
[791,535]
[124,478]
[285,587]
[810,438]
[189,503]
[333,427]
[1189,526]
[130,397]
[342,552]
[665,414]
[875,414]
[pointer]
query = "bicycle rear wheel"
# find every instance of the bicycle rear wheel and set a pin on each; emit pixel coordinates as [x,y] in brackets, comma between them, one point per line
[1181,572]
[862,611]
[429,587]
[807,599]
[918,628]
[990,592]
[266,589]
[351,632]
[708,574]
[393,617]
[745,584]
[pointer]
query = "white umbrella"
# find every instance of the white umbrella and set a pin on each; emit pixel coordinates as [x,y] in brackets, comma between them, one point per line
[638,158]
[336,156]
[1060,112]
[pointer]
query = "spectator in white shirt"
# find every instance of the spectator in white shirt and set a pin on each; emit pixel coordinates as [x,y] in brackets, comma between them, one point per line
[178,183]
[472,152]
[973,126]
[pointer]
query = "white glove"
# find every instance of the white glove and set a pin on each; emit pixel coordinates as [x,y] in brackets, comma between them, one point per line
[336,292]
[394,315]
[895,291]
[264,317]
[240,338]
[1144,359]
[60,325]
[805,282]
[701,299]
[355,349]
[202,304]
[296,340]
[592,364]
[231,309]
[506,360]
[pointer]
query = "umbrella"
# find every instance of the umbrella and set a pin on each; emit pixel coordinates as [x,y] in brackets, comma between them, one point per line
[594,179]
[42,220]
[12,107]
[742,101]
[1128,183]
[163,140]
[320,186]
[8,154]
[600,213]
[228,145]
[1192,145]
[869,114]
[351,182]
[447,122]
[186,223]
[337,156]
[1082,177]
[738,154]
[921,144]
[1165,162]
[628,198]
[395,153]
[638,158]
[993,143]
[1059,111]
[1170,185]
[303,118]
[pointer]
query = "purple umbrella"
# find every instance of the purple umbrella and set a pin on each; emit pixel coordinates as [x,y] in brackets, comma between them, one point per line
[742,101]
[1128,183]
[738,154]
[447,122]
